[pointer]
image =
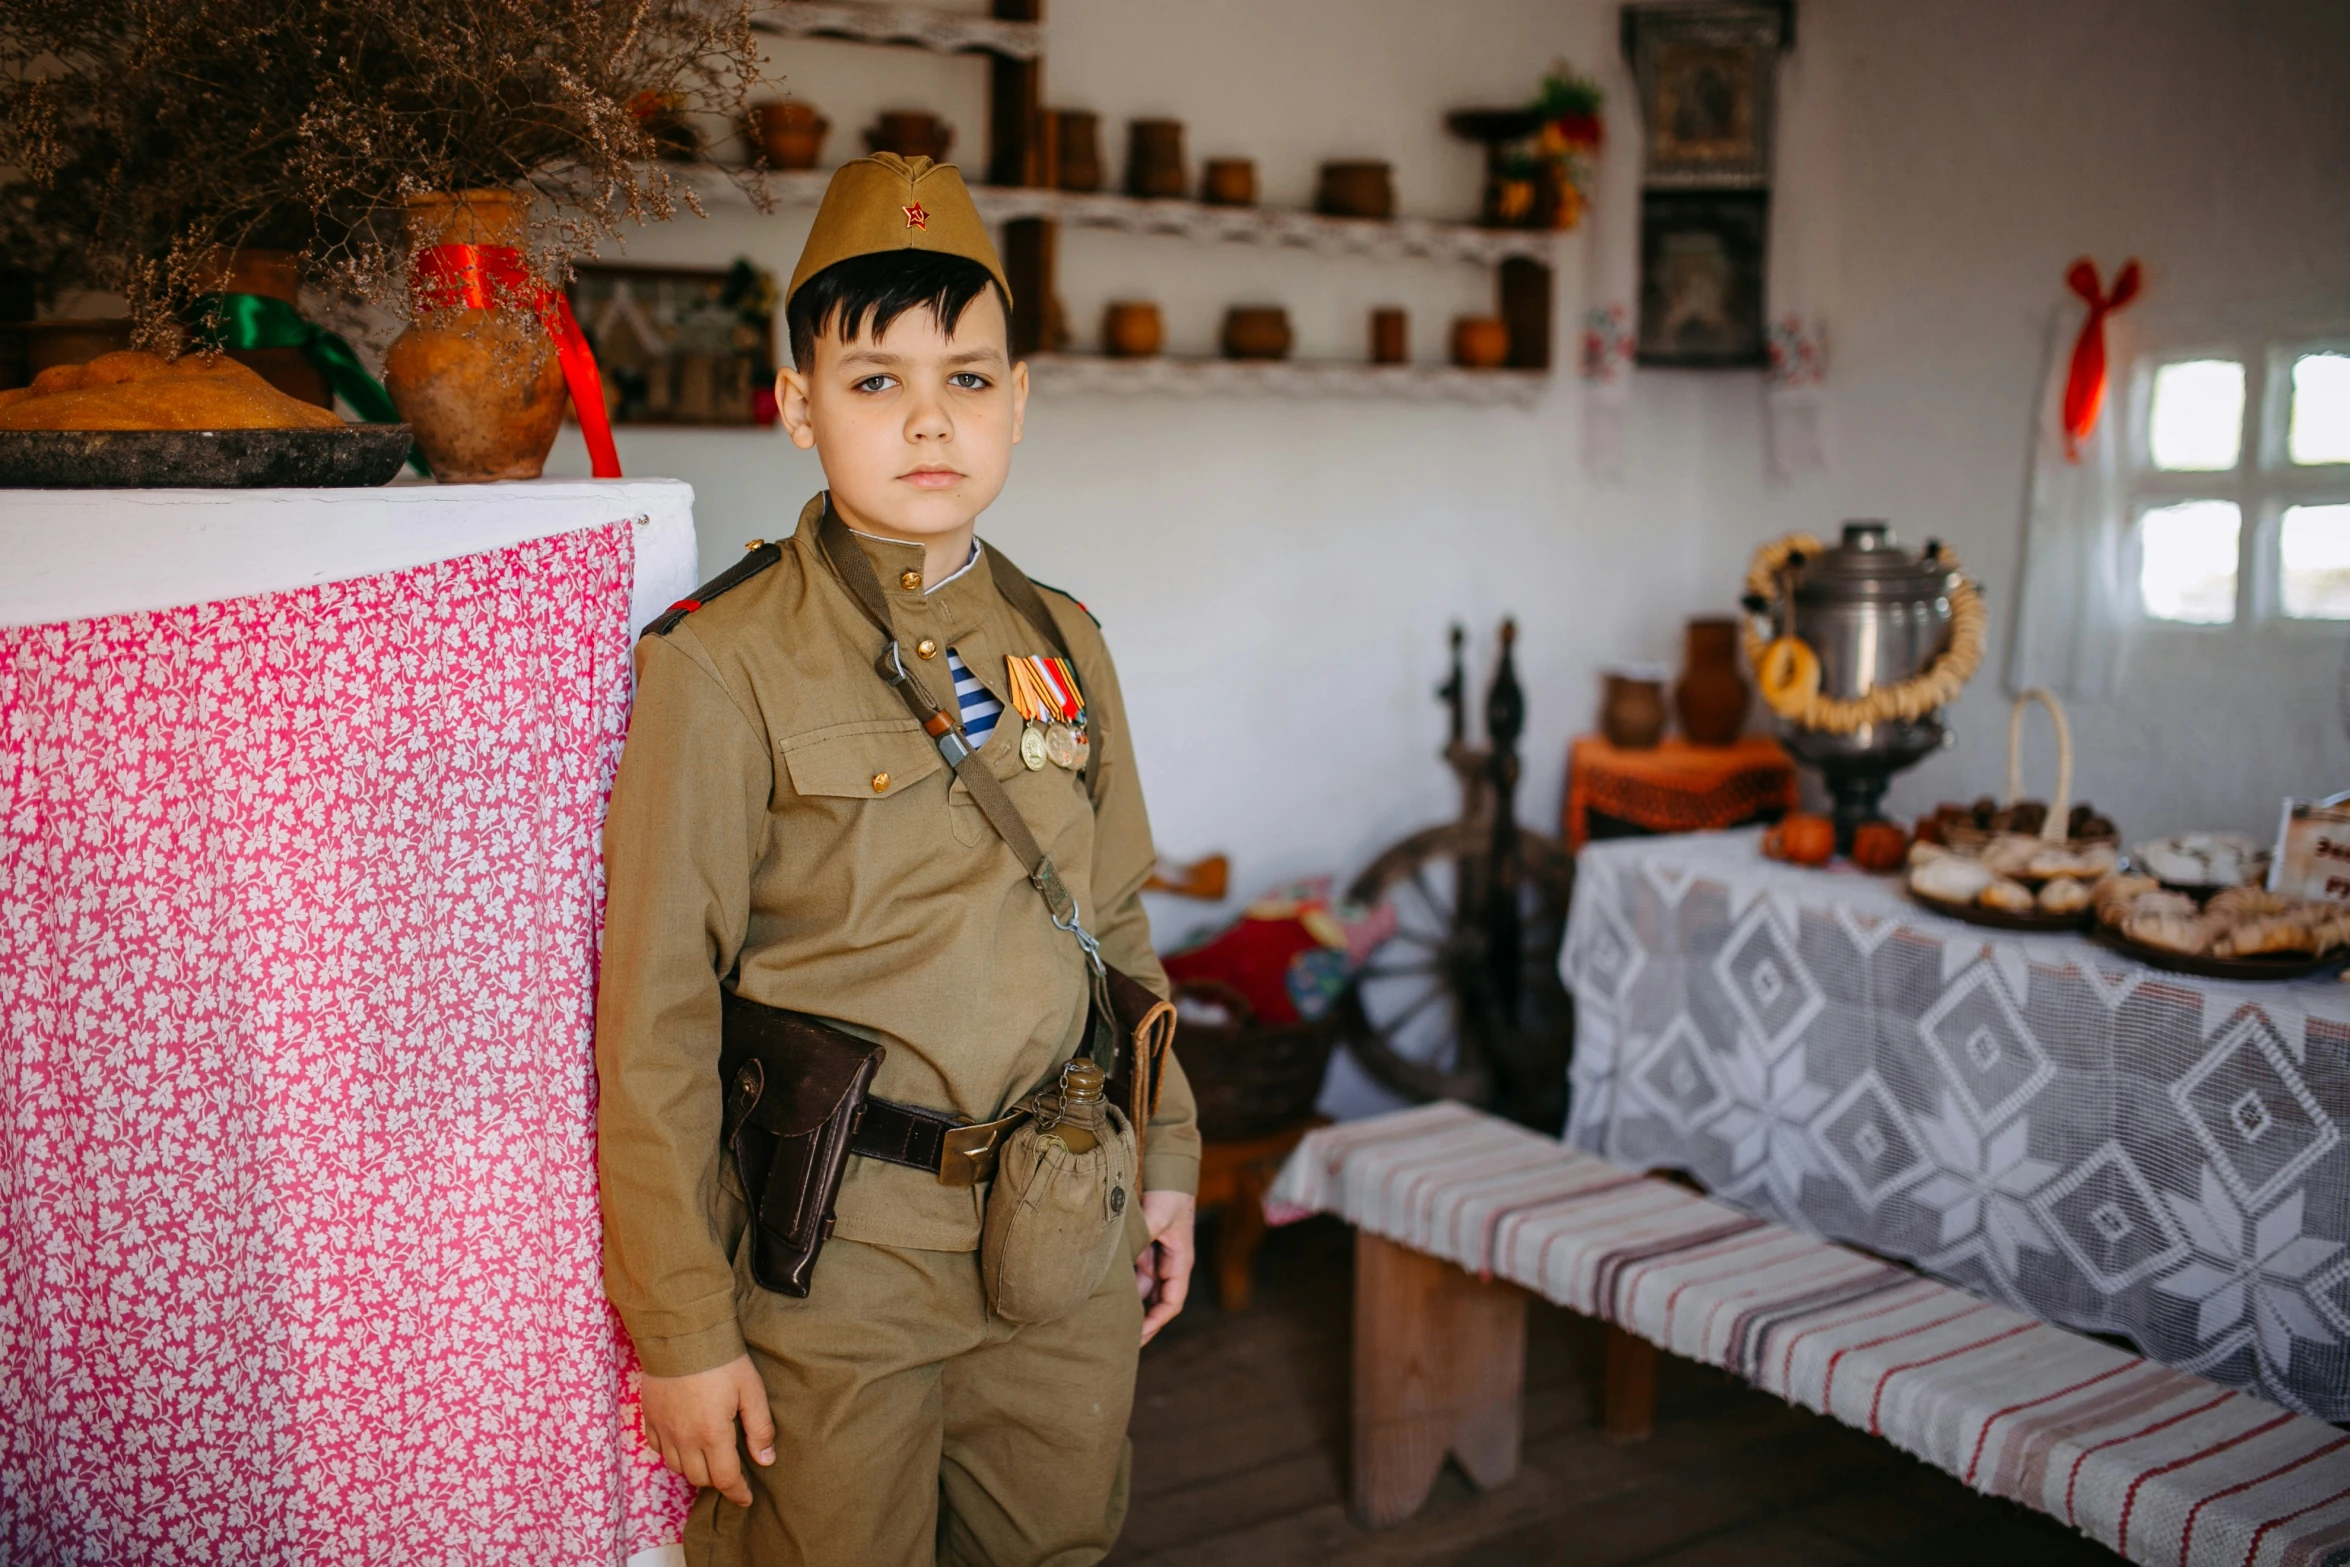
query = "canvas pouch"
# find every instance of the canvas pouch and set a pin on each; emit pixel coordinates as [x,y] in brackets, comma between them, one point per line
[1055,1219]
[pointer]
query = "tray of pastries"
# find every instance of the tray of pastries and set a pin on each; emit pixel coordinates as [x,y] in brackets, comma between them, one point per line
[2241,932]
[2013,881]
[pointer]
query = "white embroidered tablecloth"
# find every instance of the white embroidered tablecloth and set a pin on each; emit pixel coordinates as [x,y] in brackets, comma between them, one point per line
[299,890]
[2036,1118]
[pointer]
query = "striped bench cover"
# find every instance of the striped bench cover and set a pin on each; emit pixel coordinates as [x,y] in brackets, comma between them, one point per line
[2164,1467]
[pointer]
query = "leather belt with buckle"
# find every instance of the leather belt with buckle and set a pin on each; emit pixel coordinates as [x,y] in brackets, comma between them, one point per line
[959,1151]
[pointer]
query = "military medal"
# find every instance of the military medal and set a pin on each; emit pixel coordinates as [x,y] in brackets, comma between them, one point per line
[1045,691]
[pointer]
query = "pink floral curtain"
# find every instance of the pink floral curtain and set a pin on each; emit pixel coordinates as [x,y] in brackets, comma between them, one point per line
[299,1249]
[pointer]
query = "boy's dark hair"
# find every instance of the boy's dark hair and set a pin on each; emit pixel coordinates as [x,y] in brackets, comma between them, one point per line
[877,289]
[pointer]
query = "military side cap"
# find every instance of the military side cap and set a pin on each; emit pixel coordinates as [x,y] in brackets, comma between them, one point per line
[884,202]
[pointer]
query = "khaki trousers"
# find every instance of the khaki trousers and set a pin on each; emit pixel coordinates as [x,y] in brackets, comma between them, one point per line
[909,1428]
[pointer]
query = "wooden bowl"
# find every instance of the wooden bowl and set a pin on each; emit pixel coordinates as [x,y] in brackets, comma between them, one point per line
[1356,190]
[789,135]
[1229,182]
[1132,329]
[1256,332]
[911,133]
[1480,342]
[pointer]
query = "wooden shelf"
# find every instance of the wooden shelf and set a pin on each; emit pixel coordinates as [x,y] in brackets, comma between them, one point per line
[1383,239]
[1084,374]
[945,32]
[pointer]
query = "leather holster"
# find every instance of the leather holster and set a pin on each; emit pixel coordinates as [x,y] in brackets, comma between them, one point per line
[794,1087]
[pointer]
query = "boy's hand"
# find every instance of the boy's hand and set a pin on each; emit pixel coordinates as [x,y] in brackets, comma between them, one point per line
[689,1421]
[1162,1274]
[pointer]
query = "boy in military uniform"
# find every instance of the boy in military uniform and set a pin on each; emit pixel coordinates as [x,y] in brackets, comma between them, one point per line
[782,829]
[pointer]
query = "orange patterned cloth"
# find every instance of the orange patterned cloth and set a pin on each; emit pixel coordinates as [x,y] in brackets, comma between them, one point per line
[1676,787]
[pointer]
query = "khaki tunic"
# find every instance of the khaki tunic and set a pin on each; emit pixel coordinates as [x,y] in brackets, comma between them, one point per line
[779,816]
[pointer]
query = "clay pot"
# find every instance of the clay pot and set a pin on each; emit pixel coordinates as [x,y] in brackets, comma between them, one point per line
[1154,158]
[1711,697]
[482,388]
[1256,332]
[1632,710]
[1480,342]
[273,274]
[1879,846]
[911,133]
[1391,336]
[1131,329]
[1802,840]
[662,116]
[1229,182]
[1356,190]
[789,135]
[1077,149]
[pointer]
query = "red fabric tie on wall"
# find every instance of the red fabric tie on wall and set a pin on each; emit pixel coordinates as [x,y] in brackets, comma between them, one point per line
[492,277]
[2084,386]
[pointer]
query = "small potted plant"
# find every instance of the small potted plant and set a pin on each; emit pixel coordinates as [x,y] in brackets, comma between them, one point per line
[1538,159]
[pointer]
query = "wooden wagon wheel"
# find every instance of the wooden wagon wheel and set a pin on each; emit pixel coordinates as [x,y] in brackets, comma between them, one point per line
[1434,1015]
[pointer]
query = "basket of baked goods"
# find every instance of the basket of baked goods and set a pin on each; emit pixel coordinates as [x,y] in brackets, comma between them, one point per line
[2024,865]
[133,420]
[2240,932]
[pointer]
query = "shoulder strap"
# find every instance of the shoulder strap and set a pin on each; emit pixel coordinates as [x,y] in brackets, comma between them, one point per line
[855,573]
[758,558]
[1030,605]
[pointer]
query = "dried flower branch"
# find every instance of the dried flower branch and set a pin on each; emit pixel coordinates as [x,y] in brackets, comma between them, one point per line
[151,132]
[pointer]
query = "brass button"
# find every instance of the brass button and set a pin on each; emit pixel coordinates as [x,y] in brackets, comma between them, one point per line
[755,544]
[881,783]
[909,580]
[926,649]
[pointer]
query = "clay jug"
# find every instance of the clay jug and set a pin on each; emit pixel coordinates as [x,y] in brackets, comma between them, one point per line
[1712,696]
[1632,714]
[1132,329]
[482,388]
[790,134]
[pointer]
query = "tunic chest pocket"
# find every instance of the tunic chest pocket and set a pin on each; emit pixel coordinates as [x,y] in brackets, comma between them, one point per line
[863,761]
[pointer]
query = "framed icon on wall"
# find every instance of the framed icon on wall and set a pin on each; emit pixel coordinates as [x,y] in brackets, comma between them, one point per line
[1701,278]
[1707,76]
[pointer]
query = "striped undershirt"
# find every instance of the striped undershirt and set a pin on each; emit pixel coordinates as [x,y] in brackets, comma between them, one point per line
[980,710]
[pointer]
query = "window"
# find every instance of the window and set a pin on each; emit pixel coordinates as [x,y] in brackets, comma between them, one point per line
[2241,487]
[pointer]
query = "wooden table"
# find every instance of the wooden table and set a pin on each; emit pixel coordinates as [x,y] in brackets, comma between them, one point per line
[1675,786]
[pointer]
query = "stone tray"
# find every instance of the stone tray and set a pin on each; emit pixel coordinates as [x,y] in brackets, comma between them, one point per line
[356,456]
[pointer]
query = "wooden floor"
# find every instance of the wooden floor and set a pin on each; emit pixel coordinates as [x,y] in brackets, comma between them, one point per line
[1240,1458]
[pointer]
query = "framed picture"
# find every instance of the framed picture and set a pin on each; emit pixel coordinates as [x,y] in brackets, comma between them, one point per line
[1701,278]
[681,345]
[1706,78]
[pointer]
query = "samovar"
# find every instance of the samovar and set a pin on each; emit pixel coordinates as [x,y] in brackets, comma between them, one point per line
[1875,616]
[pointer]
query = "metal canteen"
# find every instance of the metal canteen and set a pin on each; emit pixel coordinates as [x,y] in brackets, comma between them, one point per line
[1875,614]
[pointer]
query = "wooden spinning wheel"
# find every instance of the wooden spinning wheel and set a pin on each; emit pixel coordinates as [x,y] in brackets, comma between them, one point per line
[1466,1002]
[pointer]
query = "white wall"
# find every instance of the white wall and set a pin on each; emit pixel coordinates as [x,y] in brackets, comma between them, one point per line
[1277,577]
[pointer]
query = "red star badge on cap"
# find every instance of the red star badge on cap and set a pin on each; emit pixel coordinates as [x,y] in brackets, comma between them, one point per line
[916,218]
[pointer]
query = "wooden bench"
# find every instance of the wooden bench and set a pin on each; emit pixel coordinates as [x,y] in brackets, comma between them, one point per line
[1460,1215]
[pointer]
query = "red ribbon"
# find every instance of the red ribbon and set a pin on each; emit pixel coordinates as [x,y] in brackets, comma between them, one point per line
[2084,385]
[493,277]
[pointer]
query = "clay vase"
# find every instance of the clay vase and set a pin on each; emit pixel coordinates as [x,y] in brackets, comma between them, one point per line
[1712,695]
[1391,336]
[1256,332]
[273,274]
[1132,329]
[1480,342]
[1356,190]
[790,135]
[1229,182]
[1154,158]
[911,133]
[1077,149]
[482,388]
[1632,711]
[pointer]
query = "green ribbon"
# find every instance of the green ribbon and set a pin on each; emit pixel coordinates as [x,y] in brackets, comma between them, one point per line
[260,321]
